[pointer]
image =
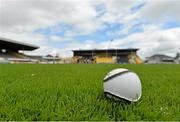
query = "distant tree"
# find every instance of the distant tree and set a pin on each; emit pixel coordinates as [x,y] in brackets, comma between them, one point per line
[177,55]
[57,55]
[49,55]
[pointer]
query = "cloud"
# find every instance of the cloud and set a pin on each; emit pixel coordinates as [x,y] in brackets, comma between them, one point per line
[40,13]
[60,39]
[153,40]
[25,37]
[160,10]
[20,20]
[116,10]
[45,50]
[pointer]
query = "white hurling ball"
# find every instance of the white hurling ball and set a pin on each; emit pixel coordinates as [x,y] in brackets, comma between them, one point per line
[122,84]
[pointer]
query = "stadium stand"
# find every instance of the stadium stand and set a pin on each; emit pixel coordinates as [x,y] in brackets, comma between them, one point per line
[121,56]
[10,51]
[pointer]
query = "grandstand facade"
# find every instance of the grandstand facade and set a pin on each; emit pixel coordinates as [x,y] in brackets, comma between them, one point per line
[121,56]
[10,51]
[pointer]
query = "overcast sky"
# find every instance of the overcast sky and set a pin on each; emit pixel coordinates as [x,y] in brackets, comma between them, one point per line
[58,26]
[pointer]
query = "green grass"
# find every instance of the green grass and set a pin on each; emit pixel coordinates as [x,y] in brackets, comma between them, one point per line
[75,92]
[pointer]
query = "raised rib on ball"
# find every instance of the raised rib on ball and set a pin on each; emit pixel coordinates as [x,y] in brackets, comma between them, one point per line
[117,74]
[113,95]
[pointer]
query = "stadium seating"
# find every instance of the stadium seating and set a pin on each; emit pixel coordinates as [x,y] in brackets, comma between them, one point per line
[14,57]
[9,51]
[135,59]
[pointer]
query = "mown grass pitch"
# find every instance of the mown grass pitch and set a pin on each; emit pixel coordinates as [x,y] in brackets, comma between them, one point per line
[75,92]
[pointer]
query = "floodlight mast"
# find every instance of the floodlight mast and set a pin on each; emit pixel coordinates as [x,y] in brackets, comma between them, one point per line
[109,44]
[116,56]
[106,55]
[23,50]
[92,57]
